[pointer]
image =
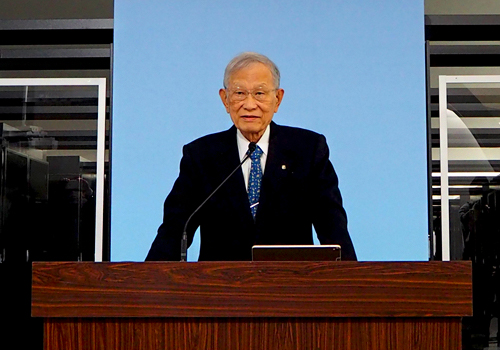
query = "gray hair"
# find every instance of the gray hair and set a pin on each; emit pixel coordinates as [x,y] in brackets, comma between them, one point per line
[245,59]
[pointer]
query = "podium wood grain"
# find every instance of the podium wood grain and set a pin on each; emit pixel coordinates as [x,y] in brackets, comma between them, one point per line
[253,334]
[251,289]
[252,305]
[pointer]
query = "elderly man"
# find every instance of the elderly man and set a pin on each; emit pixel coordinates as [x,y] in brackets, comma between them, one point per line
[286,186]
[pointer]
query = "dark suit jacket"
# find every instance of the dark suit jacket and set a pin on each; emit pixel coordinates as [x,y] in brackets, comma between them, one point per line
[299,188]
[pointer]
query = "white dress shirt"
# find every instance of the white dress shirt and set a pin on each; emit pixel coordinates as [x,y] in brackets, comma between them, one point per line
[243,148]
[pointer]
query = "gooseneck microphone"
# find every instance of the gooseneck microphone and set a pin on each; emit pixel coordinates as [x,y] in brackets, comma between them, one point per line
[251,147]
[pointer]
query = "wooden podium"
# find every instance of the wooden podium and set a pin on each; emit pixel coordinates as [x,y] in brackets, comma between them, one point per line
[252,305]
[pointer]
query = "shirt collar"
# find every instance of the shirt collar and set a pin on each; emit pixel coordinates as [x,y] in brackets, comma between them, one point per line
[243,142]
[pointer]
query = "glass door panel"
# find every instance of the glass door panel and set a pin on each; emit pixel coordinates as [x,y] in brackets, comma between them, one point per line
[469,113]
[52,169]
[470,168]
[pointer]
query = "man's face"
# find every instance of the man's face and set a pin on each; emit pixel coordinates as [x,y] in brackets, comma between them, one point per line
[251,100]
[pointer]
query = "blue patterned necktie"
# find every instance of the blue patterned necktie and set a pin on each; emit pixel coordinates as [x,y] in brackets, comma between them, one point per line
[254,180]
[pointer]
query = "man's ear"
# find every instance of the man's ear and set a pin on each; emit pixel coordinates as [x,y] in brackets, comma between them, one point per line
[279,97]
[223,97]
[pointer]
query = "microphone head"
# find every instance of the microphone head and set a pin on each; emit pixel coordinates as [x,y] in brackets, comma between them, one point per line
[251,147]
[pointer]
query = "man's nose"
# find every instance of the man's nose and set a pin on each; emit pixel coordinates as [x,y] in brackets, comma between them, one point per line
[249,102]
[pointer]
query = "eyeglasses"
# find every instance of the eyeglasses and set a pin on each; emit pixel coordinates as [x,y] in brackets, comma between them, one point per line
[260,95]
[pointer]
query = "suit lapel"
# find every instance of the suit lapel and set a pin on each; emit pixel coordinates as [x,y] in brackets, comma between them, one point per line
[276,170]
[228,160]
